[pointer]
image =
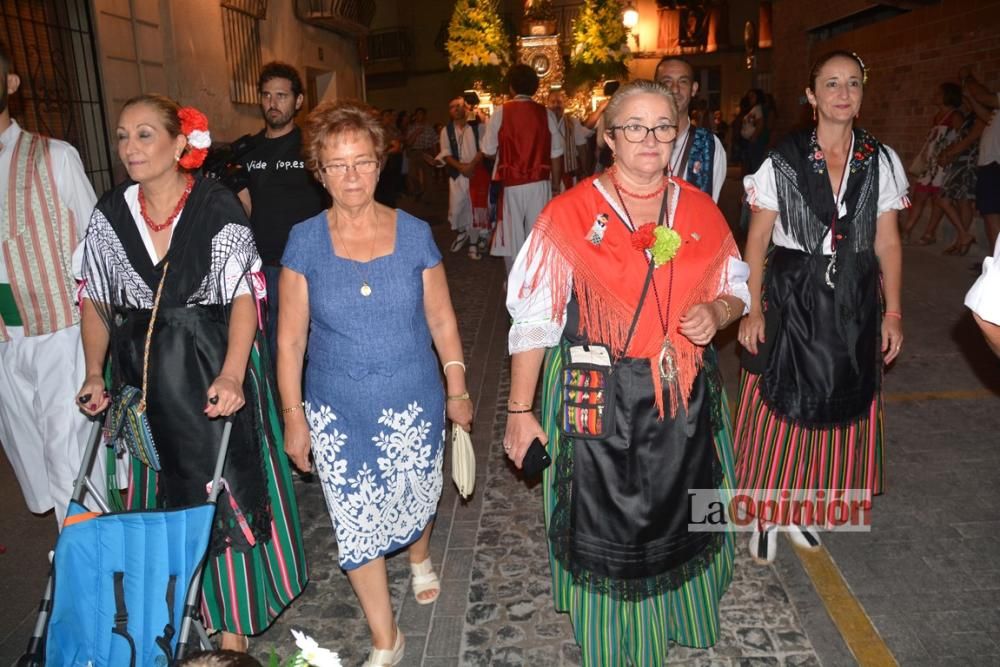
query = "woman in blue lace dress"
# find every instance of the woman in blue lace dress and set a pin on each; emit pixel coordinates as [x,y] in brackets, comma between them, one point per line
[364,285]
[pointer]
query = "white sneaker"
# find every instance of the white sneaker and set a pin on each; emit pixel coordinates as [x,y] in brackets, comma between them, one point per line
[804,537]
[764,545]
[459,241]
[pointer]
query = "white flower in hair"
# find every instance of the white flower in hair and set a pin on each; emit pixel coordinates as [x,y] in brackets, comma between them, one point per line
[199,139]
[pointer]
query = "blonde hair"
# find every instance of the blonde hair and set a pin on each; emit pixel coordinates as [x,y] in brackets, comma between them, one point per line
[631,89]
[332,119]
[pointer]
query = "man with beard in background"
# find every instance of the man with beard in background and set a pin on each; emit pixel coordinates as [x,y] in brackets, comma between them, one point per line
[280,191]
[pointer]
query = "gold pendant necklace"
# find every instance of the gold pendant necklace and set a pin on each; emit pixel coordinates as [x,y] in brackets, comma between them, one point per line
[366,288]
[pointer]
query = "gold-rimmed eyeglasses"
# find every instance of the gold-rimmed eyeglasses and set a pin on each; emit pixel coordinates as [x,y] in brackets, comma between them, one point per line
[636,134]
[363,167]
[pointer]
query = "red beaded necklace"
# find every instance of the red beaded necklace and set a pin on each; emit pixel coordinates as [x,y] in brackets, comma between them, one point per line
[189,183]
[637,195]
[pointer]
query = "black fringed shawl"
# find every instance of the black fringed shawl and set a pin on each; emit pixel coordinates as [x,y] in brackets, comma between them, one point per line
[211,254]
[808,210]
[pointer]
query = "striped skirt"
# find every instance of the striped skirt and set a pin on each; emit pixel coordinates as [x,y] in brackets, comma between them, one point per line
[243,592]
[776,455]
[612,631]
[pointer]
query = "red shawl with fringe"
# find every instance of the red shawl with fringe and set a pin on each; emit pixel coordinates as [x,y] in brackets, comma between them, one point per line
[608,277]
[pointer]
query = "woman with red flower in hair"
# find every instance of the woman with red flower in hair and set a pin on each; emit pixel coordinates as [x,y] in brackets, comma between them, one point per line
[631,273]
[168,304]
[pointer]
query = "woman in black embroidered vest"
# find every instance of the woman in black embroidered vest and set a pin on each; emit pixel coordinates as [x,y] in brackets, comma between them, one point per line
[822,240]
[184,242]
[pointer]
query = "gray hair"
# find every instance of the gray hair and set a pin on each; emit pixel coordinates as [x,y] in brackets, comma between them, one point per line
[631,89]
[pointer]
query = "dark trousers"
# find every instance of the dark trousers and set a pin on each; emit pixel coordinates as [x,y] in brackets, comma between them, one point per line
[271,274]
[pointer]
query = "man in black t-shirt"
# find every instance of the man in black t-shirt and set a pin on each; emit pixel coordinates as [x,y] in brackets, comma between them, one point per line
[280,191]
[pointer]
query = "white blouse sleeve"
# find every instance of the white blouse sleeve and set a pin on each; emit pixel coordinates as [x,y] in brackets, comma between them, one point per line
[532,323]
[719,166]
[760,188]
[892,182]
[734,282]
[984,297]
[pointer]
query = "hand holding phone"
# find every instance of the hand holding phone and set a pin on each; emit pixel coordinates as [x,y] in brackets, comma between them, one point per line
[536,459]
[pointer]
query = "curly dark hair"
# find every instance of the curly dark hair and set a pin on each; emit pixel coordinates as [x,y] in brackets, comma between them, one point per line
[280,70]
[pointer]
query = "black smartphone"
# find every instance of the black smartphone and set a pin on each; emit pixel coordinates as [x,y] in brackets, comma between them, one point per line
[536,459]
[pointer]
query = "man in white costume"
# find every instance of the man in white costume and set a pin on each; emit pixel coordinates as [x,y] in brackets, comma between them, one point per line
[459,153]
[528,149]
[45,206]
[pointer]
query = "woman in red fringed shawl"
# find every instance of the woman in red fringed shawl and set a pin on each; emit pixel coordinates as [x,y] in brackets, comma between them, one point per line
[625,565]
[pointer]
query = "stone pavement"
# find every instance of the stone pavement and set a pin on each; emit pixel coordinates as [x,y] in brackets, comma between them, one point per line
[495,606]
[928,574]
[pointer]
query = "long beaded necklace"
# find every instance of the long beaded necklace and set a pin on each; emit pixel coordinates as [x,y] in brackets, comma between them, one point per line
[366,288]
[188,186]
[667,364]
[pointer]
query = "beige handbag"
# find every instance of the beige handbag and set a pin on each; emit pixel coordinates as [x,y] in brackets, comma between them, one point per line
[463,461]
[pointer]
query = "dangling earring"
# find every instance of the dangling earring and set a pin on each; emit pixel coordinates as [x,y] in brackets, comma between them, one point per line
[814,112]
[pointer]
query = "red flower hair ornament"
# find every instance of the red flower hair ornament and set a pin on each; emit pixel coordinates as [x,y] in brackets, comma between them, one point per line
[194,126]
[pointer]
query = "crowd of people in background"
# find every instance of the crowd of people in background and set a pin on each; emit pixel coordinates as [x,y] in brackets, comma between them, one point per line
[619,263]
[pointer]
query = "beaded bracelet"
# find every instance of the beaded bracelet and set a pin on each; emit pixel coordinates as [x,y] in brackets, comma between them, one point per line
[293,408]
[518,412]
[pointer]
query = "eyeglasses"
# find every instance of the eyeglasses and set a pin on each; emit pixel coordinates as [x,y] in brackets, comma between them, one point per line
[636,134]
[363,167]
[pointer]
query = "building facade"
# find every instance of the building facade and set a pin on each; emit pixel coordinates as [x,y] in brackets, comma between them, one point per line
[80,60]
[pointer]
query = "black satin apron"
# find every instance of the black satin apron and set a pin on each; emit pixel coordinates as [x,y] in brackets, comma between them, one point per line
[187,352]
[629,508]
[809,376]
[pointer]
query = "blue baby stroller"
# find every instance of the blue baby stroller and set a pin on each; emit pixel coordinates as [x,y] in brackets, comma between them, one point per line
[116,595]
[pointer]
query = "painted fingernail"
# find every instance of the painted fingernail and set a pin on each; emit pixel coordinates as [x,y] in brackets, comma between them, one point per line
[93,406]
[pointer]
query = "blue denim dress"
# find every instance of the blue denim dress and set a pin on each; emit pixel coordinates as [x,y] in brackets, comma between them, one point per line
[373,391]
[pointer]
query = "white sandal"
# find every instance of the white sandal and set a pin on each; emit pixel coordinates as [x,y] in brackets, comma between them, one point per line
[387,657]
[425,579]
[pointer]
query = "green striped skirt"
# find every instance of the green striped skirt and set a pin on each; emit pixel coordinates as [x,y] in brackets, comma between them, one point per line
[614,631]
[244,591]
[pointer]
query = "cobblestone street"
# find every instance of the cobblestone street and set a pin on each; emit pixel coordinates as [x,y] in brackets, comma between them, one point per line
[495,606]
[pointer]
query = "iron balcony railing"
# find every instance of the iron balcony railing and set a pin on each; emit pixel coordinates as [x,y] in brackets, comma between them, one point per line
[349,17]
[389,44]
